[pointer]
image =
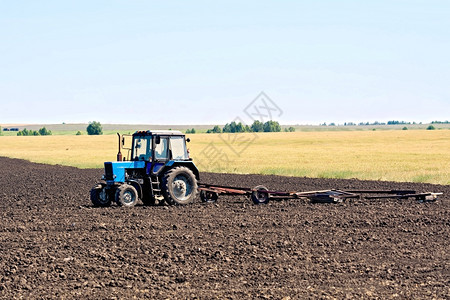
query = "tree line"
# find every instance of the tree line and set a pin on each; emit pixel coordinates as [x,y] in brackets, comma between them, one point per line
[94,128]
[42,131]
[257,126]
[393,122]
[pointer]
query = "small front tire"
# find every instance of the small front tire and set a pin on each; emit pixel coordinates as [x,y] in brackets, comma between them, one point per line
[100,197]
[126,195]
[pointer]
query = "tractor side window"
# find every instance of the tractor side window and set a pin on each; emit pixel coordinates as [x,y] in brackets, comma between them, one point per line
[178,147]
[142,148]
[162,149]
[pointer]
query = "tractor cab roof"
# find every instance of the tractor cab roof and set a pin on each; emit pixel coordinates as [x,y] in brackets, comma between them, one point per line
[158,132]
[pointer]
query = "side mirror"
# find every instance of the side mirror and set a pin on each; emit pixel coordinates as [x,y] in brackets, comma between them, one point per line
[157,140]
[188,140]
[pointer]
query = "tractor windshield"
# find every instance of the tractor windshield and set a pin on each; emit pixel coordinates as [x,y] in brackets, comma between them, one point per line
[142,148]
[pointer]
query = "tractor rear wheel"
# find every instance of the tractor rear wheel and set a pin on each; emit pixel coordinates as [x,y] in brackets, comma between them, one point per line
[179,186]
[126,195]
[99,196]
[260,195]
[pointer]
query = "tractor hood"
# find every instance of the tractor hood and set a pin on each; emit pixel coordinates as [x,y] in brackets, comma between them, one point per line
[115,171]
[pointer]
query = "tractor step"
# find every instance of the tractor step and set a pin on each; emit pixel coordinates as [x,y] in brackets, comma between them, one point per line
[156,185]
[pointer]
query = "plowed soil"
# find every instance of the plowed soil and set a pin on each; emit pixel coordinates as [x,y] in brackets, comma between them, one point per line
[54,244]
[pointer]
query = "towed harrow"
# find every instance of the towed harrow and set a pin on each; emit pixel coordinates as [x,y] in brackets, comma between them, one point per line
[261,195]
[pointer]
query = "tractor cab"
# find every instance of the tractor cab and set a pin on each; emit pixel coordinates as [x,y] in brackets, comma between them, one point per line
[159,146]
[158,149]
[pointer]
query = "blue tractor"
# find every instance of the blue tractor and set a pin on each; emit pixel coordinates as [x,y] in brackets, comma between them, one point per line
[159,170]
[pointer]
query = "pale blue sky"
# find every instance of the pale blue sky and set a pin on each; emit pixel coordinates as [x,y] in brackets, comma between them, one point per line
[202,62]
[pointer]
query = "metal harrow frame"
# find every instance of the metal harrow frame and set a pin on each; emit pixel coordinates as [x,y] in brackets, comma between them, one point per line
[261,195]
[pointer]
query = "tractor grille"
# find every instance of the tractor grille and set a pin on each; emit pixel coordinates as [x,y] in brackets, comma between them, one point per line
[109,175]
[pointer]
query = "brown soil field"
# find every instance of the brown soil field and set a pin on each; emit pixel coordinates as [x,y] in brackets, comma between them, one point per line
[55,244]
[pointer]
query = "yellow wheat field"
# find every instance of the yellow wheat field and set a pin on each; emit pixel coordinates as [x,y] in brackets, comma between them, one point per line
[416,156]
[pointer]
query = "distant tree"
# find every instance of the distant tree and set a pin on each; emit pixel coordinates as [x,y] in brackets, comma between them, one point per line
[405,128]
[257,126]
[291,129]
[44,131]
[431,127]
[94,128]
[79,133]
[231,127]
[216,129]
[190,131]
[1,131]
[240,127]
[234,127]
[272,126]
[332,124]
[226,128]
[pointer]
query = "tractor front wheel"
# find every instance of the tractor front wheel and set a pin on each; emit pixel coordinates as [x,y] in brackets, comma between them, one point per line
[100,197]
[179,186]
[126,195]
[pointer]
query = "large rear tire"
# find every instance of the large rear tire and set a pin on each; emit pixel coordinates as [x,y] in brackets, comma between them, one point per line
[126,195]
[179,186]
[100,197]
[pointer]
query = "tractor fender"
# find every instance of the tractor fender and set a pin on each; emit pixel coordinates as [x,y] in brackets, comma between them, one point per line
[188,164]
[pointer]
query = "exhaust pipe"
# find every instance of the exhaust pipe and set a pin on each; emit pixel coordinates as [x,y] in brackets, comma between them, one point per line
[119,154]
